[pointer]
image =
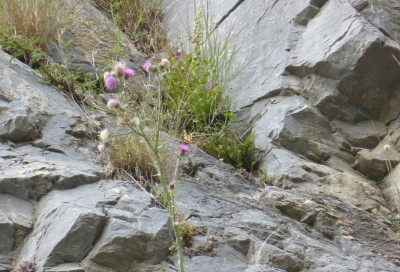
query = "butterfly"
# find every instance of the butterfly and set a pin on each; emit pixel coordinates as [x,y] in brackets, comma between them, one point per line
[187,138]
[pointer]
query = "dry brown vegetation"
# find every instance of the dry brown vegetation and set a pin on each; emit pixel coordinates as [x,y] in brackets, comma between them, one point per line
[140,20]
[33,19]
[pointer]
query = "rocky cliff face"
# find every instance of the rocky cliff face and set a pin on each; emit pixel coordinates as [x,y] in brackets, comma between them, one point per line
[321,89]
[320,94]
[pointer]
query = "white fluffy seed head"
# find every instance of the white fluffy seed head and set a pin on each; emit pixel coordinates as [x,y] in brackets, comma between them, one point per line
[104,135]
[386,147]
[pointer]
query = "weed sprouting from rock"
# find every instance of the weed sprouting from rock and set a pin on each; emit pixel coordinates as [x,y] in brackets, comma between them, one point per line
[27,266]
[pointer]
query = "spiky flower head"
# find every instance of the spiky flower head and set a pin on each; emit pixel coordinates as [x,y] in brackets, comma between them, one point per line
[184,149]
[147,65]
[110,82]
[128,73]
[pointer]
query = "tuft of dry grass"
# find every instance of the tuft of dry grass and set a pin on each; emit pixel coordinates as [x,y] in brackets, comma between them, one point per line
[131,154]
[33,19]
[141,20]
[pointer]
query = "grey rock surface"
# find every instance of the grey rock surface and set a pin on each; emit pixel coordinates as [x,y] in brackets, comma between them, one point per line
[30,169]
[97,223]
[267,226]
[16,221]
[320,82]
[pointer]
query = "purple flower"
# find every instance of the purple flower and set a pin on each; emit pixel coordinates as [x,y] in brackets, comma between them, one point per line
[128,73]
[184,149]
[146,66]
[106,74]
[111,104]
[171,185]
[110,82]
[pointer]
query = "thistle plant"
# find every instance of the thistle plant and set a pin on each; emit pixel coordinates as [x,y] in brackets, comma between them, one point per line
[138,127]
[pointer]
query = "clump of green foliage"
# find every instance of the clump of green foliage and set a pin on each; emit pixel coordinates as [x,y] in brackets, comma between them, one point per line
[239,153]
[193,98]
[195,83]
[265,178]
[188,231]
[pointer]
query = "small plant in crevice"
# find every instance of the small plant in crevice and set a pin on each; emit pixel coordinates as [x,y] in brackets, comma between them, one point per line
[194,97]
[194,103]
[264,177]
[231,149]
[209,248]
[188,231]
[130,153]
[27,266]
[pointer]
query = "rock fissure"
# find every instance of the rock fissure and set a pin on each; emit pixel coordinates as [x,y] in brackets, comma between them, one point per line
[225,16]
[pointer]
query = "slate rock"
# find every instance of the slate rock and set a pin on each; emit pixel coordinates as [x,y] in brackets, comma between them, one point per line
[374,165]
[68,267]
[15,124]
[125,243]
[71,225]
[365,134]
[42,163]
[263,268]
[16,221]
[354,190]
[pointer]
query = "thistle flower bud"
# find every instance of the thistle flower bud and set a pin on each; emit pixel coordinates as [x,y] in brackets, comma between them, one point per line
[118,69]
[101,148]
[111,104]
[135,122]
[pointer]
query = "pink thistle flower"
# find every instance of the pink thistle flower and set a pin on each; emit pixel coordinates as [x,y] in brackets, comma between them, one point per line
[111,104]
[101,148]
[128,73]
[106,75]
[171,185]
[110,82]
[147,65]
[184,149]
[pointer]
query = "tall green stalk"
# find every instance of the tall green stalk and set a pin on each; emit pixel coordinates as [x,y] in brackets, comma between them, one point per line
[168,193]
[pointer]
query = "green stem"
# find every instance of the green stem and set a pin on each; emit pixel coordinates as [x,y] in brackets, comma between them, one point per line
[159,114]
[178,242]
[167,193]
